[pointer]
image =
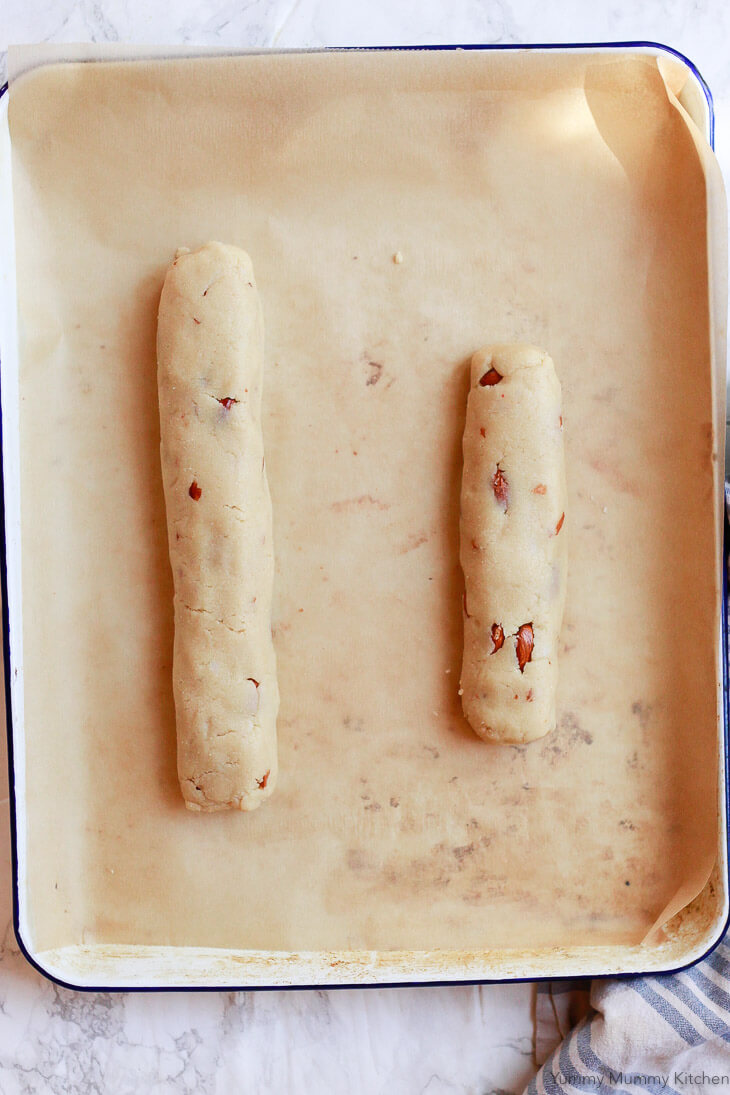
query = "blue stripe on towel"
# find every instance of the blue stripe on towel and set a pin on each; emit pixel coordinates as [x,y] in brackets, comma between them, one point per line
[559,1075]
[670,1014]
[590,1058]
[561,1065]
[712,991]
[567,1068]
[717,962]
[683,992]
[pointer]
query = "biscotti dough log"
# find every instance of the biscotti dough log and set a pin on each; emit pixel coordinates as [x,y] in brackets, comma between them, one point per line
[210,372]
[513,543]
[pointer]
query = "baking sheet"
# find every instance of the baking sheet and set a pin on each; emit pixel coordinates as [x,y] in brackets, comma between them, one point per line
[498,179]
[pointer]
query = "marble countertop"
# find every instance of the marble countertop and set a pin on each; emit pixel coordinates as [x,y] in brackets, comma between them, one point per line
[434,1040]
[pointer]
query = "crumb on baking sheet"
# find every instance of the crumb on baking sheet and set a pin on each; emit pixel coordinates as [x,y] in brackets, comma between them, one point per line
[398,258]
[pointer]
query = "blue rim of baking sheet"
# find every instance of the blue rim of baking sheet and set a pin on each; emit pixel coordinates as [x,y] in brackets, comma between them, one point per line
[725,641]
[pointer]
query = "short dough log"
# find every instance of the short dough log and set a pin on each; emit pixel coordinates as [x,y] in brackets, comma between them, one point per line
[513,543]
[210,373]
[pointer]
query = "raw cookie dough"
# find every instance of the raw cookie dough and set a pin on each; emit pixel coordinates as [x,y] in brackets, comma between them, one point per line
[210,373]
[513,543]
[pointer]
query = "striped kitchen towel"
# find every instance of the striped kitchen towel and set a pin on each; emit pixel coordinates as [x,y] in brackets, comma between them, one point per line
[668,1034]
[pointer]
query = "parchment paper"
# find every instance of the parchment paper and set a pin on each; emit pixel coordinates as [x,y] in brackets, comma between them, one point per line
[555,199]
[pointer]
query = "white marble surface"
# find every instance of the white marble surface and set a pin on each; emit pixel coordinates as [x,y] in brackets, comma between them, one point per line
[400,1041]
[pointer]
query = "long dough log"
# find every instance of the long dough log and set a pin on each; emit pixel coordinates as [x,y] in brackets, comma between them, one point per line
[513,543]
[210,373]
